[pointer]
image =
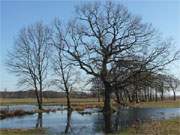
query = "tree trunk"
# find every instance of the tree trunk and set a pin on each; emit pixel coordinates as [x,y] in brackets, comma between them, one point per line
[150,94]
[145,95]
[162,95]
[137,97]
[40,105]
[38,99]
[39,121]
[162,91]
[41,94]
[129,96]
[174,95]
[68,100]
[68,125]
[98,95]
[156,96]
[107,108]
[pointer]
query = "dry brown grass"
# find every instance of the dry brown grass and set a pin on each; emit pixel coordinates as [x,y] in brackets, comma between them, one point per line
[87,102]
[12,113]
[158,104]
[10,101]
[77,104]
[164,127]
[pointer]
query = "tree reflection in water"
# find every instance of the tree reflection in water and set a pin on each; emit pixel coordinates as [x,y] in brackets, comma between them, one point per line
[117,121]
[120,120]
[125,118]
[107,122]
[39,121]
[68,125]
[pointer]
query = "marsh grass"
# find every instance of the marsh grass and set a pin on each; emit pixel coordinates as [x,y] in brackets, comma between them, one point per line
[163,127]
[19,112]
[12,113]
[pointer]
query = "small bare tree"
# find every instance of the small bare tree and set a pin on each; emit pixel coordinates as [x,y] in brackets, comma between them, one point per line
[66,74]
[29,59]
[68,124]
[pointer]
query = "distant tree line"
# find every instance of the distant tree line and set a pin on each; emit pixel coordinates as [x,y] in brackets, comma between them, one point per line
[46,94]
[149,89]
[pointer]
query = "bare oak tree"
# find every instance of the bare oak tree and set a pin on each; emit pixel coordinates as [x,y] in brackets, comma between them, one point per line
[102,35]
[29,59]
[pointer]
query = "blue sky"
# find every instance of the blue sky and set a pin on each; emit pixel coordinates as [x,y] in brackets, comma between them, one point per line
[163,14]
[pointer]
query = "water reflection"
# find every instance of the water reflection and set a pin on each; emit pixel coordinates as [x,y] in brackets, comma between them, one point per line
[125,118]
[108,122]
[39,122]
[89,122]
[68,125]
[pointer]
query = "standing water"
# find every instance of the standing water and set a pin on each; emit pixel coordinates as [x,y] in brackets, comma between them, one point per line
[86,123]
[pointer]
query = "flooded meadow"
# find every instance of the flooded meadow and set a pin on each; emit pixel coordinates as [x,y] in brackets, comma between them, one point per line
[89,121]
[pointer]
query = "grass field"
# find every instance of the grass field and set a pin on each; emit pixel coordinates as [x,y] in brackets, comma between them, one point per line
[10,101]
[77,103]
[45,100]
[85,102]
